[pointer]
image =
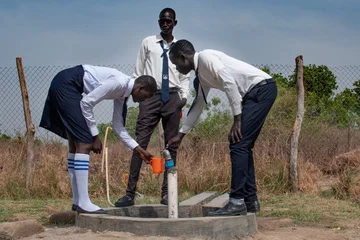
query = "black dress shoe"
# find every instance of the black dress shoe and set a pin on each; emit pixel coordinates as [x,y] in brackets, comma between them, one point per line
[100,211]
[125,201]
[164,200]
[74,207]
[253,207]
[230,209]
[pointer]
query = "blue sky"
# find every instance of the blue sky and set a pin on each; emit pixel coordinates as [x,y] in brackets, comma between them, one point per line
[110,32]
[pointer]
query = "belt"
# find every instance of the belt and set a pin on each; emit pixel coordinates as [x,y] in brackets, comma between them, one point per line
[171,90]
[263,82]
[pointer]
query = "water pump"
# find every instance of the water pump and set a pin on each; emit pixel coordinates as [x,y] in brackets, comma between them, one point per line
[172,184]
[169,162]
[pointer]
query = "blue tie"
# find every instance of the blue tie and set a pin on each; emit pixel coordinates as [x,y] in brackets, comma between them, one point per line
[124,112]
[165,75]
[196,87]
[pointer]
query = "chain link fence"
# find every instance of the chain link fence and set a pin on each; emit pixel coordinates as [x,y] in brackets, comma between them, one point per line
[331,121]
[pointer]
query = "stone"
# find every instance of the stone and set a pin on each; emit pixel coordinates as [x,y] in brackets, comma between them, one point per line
[20,229]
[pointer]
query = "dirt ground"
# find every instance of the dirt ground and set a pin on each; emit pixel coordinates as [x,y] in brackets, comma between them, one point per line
[268,229]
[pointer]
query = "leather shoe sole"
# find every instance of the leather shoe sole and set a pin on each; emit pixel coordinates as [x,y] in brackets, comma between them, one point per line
[227,213]
[100,211]
[230,209]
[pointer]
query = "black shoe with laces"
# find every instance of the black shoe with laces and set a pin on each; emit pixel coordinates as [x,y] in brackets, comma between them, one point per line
[231,209]
[253,207]
[125,201]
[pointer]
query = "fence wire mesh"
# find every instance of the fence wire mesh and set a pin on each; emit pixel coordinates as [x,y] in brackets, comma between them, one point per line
[330,125]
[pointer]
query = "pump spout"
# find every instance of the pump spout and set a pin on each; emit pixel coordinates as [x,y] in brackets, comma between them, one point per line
[169,162]
[166,154]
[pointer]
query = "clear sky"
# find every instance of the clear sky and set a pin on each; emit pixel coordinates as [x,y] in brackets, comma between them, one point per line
[110,32]
[63,33]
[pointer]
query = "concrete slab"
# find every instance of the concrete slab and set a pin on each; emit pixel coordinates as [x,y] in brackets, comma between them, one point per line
[191,207]
[209,227]
[147,211]
[215,204]
[141,210]
[195,204]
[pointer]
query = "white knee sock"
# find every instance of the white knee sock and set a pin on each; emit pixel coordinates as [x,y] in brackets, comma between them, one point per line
[72,178]
[81,165]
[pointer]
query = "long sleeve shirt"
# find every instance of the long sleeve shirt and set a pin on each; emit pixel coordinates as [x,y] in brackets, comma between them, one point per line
[102,83]
[217,70]
[150,62]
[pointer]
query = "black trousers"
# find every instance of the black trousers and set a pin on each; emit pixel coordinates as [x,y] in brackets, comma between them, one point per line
[256,106]
[151,111]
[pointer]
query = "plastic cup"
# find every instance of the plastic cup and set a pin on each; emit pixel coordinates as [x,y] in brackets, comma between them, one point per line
[157,165]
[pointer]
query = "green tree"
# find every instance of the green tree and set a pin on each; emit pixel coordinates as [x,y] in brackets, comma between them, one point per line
[318,80]
[278,77]
[342,109]
[356,90]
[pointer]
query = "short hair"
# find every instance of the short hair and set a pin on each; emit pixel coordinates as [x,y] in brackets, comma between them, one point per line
[148,82]
[182,47]
[169,10]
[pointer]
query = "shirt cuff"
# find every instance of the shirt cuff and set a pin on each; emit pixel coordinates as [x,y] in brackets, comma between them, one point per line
[183,95]
[94,131]
[185,129]
[132,144]
[236,109]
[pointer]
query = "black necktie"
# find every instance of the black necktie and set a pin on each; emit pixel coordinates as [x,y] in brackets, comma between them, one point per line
[165,74]
[124,112]
[196,84]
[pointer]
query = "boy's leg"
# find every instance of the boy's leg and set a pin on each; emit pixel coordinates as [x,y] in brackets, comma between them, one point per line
[170,121]
[255,110]
[243,185]
[146,123]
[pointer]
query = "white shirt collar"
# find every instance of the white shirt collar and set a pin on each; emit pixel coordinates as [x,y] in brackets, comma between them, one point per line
[160,38]
[130,87]
[196,61]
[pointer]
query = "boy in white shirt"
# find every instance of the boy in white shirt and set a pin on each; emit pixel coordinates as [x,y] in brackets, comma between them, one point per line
[251,94]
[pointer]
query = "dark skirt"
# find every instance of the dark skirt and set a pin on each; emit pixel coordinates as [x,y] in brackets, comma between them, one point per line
[62,112]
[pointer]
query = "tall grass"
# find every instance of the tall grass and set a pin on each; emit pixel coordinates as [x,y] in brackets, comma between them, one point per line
[203,159]
[204,165]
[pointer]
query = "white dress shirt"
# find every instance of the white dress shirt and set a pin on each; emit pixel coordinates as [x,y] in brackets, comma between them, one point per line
[150,62]
[218,70]
[102,83]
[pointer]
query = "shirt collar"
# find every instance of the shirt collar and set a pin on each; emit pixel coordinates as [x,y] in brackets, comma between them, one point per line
[160,38]
[130,87]
[196,61]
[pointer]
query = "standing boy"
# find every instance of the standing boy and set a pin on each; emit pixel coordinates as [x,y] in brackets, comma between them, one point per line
[167,103]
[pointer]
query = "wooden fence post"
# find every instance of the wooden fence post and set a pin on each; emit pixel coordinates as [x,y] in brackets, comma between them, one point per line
[30,128]
[293,170]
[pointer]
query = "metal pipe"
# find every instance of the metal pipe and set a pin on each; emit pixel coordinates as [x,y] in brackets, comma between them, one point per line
[172,193]
[172,185]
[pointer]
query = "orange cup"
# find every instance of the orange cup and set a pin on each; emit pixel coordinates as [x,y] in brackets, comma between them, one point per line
[157,165]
